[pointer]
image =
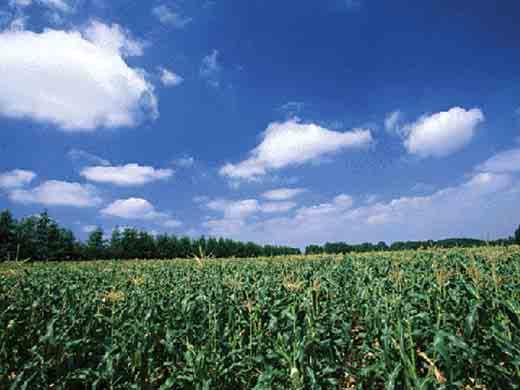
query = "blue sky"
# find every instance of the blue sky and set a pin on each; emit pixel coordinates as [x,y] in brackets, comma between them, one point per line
[290,122]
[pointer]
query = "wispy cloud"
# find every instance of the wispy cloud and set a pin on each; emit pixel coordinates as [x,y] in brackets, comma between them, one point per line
[210,69]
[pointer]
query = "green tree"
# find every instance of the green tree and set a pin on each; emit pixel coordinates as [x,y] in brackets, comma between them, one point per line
[96,245]
[517,235]
[7,236]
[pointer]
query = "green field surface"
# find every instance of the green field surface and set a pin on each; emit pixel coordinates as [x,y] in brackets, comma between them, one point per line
[425,319]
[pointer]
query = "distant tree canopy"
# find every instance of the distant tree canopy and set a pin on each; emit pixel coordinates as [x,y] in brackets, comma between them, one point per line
[40,238]
[342,247]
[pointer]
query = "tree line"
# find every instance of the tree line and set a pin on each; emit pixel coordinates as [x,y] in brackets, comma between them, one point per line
[40,238]
[343,247]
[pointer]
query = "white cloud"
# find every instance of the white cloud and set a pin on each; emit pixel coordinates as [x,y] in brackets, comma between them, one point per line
[16,178]
[242,209]
[133,208]
[113,39]
[283,193]
[485,203]
[60,5]
[64,6]
[392,121]
[210,69]
[339,204]
[86,157]
[443,133]
[168,16]
[126,175]
[168,78]
[140,209]
[77,80]
[235,209]
[507,161]
[293,143]
[58,193]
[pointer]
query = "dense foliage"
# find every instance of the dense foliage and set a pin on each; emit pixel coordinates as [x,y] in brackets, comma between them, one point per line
[395,320]
[41,238]
[343,247]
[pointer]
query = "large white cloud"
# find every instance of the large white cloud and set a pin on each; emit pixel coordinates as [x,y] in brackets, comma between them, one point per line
[58,193]
[443,133]
[16,178]
[294,143]
[139,209]
[132,208]
[126,175]
[78,80]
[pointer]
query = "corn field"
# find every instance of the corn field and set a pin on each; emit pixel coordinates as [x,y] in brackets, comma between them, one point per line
[427,319]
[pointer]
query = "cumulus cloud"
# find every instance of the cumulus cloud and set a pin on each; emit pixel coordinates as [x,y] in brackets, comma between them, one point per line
[293,143]
[283,193]
[169,78]
[16,178]
[113,39]
[77,80]
[210,69]
[140,209]
[126,175]
[171,17]
[132,208]
[443,133]
[58,193]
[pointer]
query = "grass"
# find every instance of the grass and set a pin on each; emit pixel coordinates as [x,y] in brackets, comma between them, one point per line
[404,320]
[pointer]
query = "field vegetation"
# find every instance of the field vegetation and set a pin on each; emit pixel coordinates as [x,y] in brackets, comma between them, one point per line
[425,319]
